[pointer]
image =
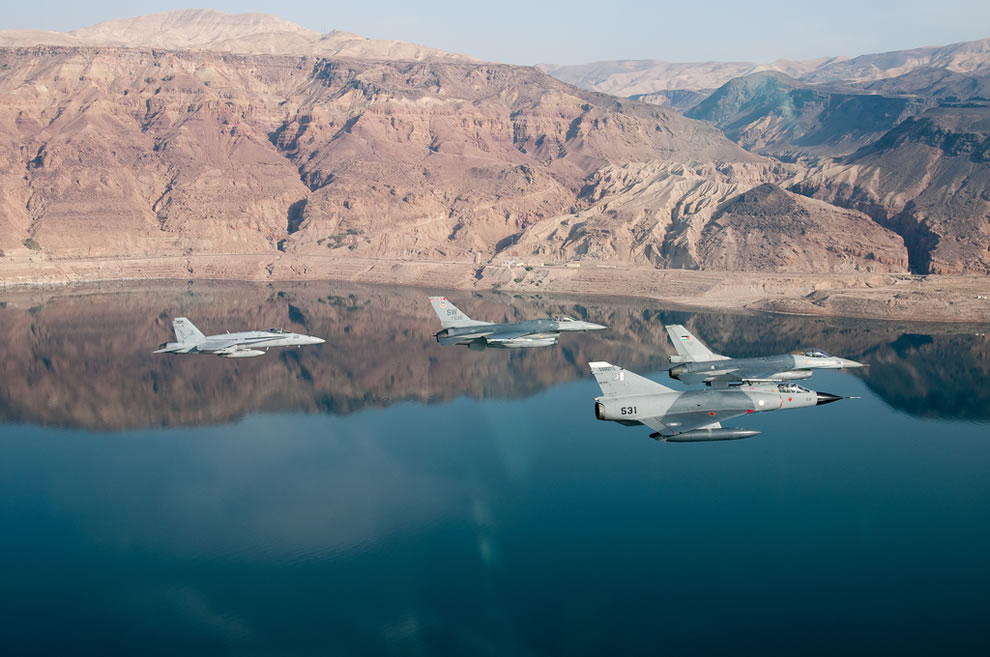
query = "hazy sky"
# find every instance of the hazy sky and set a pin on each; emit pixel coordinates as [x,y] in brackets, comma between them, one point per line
[580,31]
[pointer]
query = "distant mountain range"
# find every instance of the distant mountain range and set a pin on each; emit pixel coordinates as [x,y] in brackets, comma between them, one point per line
[200,133]
[205,29]
[639,77]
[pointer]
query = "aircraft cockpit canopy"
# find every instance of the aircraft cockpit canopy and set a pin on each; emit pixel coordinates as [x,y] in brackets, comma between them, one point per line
[816,353]
[791,388]
[562,318]
[277,331]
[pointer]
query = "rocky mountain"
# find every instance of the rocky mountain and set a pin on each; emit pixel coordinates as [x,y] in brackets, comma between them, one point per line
[127,151]
[206,29]
[928,179]
[710,217]
[113,153]
[637,77]
[775,114]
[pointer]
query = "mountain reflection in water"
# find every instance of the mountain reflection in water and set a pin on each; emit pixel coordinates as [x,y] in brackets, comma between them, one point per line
[278,520]
[82,357]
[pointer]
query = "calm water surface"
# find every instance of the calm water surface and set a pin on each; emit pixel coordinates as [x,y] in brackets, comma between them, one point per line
[382,495]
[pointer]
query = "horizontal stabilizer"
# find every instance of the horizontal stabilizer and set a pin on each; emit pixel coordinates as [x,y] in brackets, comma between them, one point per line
[617,382]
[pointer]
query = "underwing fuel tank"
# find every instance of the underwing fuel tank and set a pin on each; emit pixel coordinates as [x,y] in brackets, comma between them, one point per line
[242,353]
[701,435]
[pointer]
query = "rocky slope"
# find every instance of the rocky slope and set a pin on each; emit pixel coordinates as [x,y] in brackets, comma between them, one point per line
[711,217]
[134,152]
[119,152]
[774,114]
[928,179]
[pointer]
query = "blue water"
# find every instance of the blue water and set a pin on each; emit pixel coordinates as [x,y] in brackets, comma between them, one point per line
[492,524]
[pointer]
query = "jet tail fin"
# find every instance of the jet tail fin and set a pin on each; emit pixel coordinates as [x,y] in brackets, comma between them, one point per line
[689,348]
[450,315]
[186,331]
[617,382]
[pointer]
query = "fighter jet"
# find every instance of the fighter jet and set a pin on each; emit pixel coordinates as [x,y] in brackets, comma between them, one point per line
[698,364]
[458,328]
[244,344]
[691,415]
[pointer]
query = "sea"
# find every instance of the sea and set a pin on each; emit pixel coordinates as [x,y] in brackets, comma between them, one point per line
[381,494]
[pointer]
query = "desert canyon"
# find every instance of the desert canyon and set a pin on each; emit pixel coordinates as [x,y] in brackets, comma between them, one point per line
[197,144]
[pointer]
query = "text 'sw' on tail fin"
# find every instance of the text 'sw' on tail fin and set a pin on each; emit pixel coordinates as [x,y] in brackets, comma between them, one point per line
[186,331]
[689,348]
[617,382]
[450,315]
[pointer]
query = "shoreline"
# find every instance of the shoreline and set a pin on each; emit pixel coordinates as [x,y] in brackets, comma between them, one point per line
[864,295]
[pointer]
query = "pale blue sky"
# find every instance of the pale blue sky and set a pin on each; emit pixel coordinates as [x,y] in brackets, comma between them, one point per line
[580,31]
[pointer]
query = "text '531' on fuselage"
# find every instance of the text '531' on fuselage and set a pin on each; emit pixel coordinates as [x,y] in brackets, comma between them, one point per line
[243,344]
[691,415]
[458,328]
[696,363]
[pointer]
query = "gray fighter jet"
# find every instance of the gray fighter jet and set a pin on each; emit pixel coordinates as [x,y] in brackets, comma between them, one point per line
[458,328]
[691,415]
[698,364]
[244,344]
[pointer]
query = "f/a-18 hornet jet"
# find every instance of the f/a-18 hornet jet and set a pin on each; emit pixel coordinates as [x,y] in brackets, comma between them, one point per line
[691,415]
[698,364]
[244,344]
[458,328]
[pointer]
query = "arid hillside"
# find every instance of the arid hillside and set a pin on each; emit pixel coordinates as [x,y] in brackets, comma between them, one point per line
[121,151]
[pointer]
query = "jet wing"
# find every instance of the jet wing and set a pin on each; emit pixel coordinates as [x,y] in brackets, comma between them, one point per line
[675,423]
[509,336]
[213,345]
[730,377]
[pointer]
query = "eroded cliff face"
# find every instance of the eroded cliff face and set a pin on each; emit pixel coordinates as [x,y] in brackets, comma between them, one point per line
[121,153]
[928,180]
[713,217]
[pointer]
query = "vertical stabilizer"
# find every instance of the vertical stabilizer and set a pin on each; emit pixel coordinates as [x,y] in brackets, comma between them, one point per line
[450,315]
[186,331]
[689,348]
[617,382]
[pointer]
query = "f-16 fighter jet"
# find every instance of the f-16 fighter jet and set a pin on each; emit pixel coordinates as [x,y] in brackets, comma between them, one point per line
[458,328]
[697,364]
[245,344]
[691,415]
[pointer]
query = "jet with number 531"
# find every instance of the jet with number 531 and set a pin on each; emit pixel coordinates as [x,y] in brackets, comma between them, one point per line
[458,328]
[243,344]
[691,415]
[696,363]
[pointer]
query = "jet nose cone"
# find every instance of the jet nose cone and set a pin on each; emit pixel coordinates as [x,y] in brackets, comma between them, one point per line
[316,340]
[845,362]
[591,326]
[827,398]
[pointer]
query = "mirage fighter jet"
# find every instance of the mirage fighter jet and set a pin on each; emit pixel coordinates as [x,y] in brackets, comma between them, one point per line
[458,328]
[698,364]
[245,344]
[691,415]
